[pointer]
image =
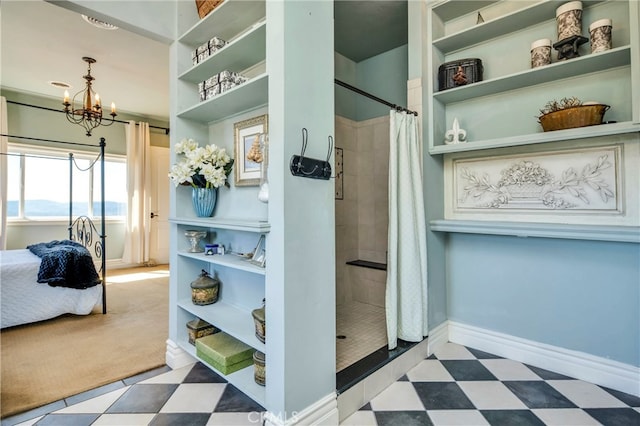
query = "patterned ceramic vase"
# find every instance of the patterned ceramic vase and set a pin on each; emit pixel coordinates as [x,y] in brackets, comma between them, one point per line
[569,20]
[204,201]
[600,35]
[540,52]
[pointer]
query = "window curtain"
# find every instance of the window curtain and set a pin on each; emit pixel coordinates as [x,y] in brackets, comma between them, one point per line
[4,149]
[406,292]
[137,234]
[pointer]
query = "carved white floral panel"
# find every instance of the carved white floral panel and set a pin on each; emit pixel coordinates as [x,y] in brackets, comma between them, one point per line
[586,180]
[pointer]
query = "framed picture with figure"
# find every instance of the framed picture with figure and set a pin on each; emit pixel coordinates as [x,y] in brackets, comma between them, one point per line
[249,137]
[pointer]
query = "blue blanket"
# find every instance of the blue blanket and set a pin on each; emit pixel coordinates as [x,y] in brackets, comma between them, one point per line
[65,263]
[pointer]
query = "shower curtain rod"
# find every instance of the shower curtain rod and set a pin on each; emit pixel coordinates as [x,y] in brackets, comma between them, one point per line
[166,129]
[373,97]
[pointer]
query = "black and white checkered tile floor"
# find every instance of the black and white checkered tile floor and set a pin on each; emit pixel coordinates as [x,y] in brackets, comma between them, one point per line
[463,386]
[455,386]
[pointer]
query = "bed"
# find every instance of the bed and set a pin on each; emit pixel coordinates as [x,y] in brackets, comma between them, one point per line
[24,300]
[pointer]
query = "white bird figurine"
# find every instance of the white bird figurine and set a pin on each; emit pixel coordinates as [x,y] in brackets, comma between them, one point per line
[456,134]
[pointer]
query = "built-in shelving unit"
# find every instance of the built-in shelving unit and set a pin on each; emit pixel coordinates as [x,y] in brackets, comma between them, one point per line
[516,91]
[242,24]
[501,110]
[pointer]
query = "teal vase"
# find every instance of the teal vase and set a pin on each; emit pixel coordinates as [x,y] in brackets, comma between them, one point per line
[204,201]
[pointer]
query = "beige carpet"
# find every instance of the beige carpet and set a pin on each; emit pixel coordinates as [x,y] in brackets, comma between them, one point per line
[52,360]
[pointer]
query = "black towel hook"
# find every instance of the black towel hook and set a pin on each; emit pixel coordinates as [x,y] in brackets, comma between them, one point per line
[330,148]
[305,137]
[309,167]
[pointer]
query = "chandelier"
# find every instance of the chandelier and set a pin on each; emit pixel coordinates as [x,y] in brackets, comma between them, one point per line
[89,115]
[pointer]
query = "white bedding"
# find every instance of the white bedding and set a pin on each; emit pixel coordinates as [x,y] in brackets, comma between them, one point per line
[23,300]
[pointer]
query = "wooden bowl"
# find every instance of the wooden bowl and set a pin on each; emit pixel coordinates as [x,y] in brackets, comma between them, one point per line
[569,118]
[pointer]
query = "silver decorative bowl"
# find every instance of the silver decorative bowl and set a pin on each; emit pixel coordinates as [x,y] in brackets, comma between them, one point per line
[194,238]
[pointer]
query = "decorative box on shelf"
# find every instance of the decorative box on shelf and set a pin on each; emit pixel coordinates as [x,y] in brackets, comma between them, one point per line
[459,73]
[207,49]
[219,83]
[198,328]
[224,352]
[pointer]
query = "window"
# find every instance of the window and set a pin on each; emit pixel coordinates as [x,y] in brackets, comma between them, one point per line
[38,184]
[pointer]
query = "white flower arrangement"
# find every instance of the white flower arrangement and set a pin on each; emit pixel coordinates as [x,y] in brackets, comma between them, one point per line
[201,167]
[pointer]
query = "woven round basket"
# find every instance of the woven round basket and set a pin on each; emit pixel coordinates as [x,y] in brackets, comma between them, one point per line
[569,118]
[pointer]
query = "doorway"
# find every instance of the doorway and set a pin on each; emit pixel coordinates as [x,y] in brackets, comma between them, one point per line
[160,186]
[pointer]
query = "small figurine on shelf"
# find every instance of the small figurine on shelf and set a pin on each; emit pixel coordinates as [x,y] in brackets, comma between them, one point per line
[456,134]
[460,78]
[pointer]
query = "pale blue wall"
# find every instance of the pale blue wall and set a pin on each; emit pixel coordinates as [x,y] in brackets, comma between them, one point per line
[345,71]
[384,76]
[46,124]
[574,294]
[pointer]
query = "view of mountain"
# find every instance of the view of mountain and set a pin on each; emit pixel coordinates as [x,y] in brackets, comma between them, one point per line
[42,208]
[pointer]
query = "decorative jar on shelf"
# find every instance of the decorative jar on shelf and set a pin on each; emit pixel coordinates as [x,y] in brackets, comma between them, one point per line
[259,322]
[205,289]
[259,368]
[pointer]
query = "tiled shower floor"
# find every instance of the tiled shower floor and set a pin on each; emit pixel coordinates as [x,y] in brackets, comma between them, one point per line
[365,331]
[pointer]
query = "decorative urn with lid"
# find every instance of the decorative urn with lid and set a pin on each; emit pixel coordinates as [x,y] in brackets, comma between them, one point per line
[259,322]
[205,289]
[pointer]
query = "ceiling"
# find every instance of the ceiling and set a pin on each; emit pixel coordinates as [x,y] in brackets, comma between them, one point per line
[367,28]
[42,42]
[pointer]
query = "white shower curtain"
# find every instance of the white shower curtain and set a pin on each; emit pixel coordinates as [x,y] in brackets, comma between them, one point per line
[406,292]
[137,234]
[3,172]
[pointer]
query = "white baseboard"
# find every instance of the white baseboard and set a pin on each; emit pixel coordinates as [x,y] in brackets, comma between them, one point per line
[322,412]
[580,365]
[438,337]
[176,357]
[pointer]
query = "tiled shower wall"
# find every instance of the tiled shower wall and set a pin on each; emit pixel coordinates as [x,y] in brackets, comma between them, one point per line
[362,214]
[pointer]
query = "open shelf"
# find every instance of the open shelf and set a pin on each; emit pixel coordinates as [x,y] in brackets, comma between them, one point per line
[542,137]
[587,64]
[493,28]
[229,318]
[239,54]
[625,234]
[226,21]
[249,95]
[227,260]
[242,379]
[248,225]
